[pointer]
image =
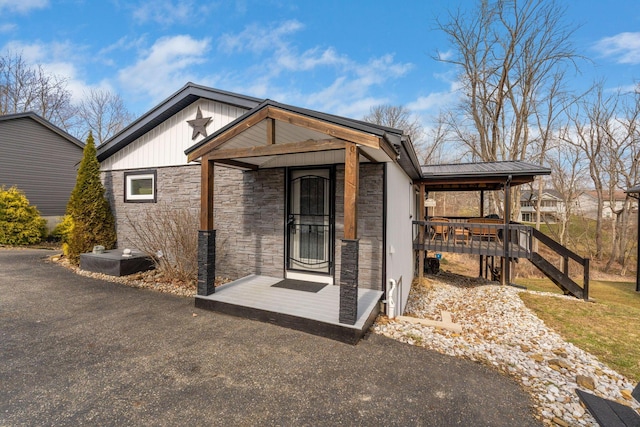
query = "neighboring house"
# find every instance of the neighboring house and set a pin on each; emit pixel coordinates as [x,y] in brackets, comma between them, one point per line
[282,192]
[587,204]
[41,160]
[552,206]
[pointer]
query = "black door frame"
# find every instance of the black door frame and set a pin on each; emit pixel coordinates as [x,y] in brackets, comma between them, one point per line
[332,202]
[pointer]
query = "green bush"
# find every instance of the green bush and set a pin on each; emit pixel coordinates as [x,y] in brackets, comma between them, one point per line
[20,223]
[63,230]
[89,210]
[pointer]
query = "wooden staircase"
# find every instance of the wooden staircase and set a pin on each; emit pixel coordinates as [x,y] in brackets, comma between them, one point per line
[561,277]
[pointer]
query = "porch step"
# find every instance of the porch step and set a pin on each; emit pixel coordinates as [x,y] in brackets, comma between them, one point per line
[558,277]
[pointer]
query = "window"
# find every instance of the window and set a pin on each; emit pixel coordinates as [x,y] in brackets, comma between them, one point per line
[140,186]
[526,217]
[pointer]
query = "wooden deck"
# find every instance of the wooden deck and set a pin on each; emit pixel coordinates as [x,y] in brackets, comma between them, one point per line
[458,237]
[253,297]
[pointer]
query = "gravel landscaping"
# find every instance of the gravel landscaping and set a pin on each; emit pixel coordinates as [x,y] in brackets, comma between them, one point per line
[499,330]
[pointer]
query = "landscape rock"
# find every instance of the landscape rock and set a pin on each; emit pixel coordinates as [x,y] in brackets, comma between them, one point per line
[499,330]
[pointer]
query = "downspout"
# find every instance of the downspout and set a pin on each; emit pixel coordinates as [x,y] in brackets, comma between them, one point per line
[391,304]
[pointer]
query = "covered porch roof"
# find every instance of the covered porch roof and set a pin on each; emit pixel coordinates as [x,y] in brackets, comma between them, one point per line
[479,176]
[277,135]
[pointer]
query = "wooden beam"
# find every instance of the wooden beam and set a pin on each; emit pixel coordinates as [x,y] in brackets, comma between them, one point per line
[388,149]
[309,146]
[238,164]
[367,156]
[357,137]
[271,131]
[227,135]
[445,323]
[206,194]
[351,184]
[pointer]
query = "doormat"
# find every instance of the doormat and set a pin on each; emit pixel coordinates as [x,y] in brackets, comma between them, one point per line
[299,285]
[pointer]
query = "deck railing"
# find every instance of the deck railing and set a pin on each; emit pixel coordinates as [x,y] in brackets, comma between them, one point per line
[483,236]
[470,237]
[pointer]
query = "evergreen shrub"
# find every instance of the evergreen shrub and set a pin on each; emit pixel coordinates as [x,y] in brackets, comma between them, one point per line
[20,222]
[88,209]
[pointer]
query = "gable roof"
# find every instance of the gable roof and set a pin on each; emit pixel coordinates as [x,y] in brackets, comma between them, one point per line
[479,175]
[533,195]
[181,99]
[53,128]
[398,145]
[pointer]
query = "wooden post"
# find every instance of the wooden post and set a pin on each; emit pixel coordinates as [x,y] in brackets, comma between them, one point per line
[206,194]
[206,234]
[351,185]
[505,278]
[349,257]
[482,215]
[421,232]
[585,283]
[638,249]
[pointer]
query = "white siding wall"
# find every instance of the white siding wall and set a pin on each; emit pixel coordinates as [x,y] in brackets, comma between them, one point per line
[165,144]
[400,214]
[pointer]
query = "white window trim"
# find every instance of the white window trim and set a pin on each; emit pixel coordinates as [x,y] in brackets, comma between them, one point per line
[131,176]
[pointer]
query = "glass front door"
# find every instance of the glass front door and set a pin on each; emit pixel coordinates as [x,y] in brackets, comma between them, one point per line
[309,221]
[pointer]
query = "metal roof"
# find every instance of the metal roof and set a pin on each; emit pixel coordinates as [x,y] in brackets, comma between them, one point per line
[634,189]
[479,175]
[184,97]
[33,116]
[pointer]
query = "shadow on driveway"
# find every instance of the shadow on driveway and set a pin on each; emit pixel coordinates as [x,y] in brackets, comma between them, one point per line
[75,350]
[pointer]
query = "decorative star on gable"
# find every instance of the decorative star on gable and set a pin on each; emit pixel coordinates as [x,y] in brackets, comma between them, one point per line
[199,124]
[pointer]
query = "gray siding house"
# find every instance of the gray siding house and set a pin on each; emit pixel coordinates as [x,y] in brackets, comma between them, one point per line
[41,160]
[286,197]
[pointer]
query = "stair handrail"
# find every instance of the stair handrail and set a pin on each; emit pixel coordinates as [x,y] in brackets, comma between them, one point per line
[566,253]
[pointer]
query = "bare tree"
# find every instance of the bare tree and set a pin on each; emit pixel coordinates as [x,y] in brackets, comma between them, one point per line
[567,176]
[588,130]
[104,113]
[623,155]
[30,88]
[508,54]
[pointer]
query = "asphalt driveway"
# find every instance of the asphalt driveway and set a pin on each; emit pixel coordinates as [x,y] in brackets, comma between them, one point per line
[75,350]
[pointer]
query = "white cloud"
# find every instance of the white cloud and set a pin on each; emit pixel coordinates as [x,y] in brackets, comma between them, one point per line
[623,47]
[334,82]
[22,6]
[57,58]
[435,101]
[168,12]
[7,28]
[165,67]
[258,39]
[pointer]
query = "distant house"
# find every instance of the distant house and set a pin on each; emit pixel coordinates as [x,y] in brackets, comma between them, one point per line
[41,160]
[552,206]
[587,204]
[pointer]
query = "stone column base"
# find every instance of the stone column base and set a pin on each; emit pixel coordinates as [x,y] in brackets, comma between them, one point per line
[206,262]
[349,282]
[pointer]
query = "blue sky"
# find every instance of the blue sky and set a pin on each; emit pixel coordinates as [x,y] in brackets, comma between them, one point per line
[340,57]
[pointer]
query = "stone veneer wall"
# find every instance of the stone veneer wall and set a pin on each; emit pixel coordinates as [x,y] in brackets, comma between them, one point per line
[370,223]
[249,216]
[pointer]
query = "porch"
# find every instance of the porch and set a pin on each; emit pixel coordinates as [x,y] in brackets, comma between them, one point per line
[255,297]
[491,236]
[317,222]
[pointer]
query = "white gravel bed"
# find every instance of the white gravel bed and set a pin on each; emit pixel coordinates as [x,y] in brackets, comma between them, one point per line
[499,330]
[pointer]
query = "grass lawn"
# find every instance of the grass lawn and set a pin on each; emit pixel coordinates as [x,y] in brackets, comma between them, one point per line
[608,328]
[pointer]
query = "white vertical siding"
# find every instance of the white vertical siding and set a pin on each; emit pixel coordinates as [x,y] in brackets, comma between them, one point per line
[399,250]
[165,144]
